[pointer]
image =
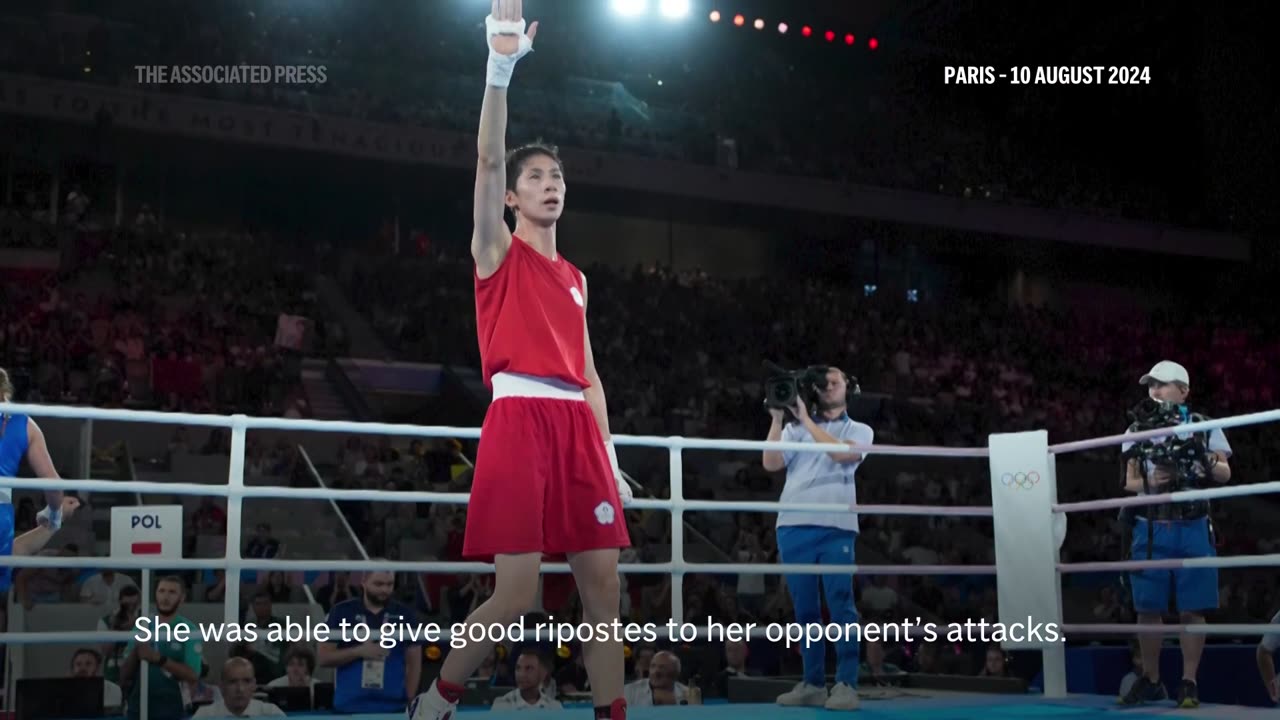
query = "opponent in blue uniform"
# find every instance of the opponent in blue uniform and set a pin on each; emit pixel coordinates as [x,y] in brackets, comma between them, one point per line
[20,437]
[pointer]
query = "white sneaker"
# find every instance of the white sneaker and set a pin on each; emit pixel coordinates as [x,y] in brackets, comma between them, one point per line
[843,697]
[803,695]
[430,705]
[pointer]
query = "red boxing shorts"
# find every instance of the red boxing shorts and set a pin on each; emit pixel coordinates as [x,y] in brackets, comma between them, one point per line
[542,482]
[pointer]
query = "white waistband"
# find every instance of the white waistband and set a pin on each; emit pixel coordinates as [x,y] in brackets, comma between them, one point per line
[517,385]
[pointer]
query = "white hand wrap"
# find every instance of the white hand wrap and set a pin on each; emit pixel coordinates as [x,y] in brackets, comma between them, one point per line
[624,488]
[501,66]
[49,516]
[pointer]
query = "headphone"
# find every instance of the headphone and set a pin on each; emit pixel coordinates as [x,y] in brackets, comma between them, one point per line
[851,383]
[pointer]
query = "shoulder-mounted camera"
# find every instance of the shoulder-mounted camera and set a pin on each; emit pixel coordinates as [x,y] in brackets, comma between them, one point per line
[1179,452]
[783,386]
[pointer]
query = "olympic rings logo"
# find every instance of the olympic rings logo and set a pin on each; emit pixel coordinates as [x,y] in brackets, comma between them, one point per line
[1020,481]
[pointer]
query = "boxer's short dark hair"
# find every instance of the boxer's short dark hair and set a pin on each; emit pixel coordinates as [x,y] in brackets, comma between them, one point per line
[519,156]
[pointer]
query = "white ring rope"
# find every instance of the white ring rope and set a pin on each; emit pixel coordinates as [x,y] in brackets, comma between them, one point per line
[235,491]
[1180,496]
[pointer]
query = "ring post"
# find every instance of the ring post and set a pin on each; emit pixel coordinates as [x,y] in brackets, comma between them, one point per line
[1028,535]
[235,501]
[677,531]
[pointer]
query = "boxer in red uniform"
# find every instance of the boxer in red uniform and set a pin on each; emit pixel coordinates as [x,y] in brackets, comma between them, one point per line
[546,478]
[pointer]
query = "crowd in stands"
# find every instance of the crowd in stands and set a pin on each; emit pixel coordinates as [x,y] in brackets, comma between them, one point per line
[888,127]
[944,373]
[156,319]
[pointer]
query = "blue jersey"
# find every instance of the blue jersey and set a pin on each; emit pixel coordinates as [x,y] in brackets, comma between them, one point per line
[364,686]
[13,448]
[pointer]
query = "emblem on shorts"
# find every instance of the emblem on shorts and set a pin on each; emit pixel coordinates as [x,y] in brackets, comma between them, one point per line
[577,296]
[604,513]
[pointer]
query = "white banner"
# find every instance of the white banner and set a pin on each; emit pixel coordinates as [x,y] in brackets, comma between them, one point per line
[1027,538]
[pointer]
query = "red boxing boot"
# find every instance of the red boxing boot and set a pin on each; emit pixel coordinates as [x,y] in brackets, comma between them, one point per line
[616,711]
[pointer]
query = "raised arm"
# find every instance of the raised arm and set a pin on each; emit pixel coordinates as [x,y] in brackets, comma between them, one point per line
[773,460]
[490,238]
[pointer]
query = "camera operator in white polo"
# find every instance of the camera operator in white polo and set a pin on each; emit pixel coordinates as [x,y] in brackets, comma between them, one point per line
[820,538]
[1173,531]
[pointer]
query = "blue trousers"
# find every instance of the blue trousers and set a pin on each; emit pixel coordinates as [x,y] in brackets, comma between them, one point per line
[1195,589]
[812,545]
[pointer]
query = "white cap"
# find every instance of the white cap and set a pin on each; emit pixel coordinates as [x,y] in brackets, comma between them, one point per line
[1167,371]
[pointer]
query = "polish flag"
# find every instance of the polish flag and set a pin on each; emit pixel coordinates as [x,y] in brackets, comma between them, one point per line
[147,548]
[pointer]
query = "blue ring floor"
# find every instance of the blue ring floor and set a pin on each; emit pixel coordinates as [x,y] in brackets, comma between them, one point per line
[891,705]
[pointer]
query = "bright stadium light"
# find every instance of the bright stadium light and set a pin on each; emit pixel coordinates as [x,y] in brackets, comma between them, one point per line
[759,24]
[782,28]
[630,8]
[674,9]
[715,16]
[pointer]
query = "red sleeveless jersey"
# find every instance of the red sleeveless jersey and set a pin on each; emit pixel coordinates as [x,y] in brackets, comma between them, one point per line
[531,318]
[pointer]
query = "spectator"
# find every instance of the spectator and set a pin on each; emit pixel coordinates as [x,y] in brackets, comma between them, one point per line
[262,545]
[237,699]
[87,663]
[171,664]
[47,585]
[217,590]
[209,519]
[338,590]
[104,588]
[661,688]
[120,620]
[300,670]
[735,665]
[995,664]
[371,678]
[266,655]
[276,589]
[532,672]
[640,666]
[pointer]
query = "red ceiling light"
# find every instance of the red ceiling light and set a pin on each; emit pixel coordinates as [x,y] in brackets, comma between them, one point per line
[806,31]
[848,39]
[873,43]
[830,36]
[738,20]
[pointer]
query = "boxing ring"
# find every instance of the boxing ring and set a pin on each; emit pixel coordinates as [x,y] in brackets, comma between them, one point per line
[1029,526]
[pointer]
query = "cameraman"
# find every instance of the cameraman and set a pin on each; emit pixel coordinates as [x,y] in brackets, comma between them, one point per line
[1173,531]
[820,538]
